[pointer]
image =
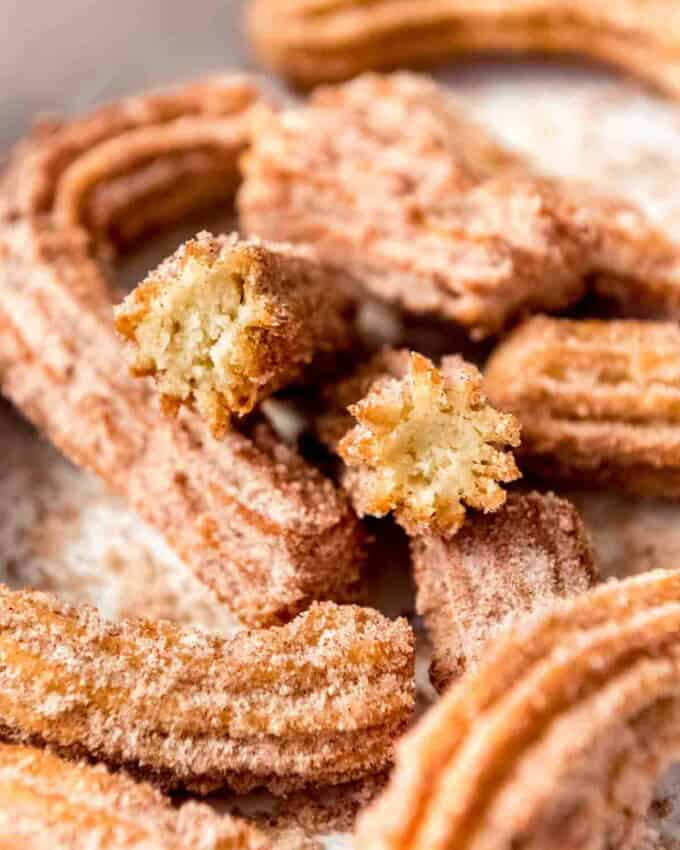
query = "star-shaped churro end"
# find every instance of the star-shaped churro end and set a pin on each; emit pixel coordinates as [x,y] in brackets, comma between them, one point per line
[427,444]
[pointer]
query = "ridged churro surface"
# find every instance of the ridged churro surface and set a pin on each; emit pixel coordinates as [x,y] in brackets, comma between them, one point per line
[554,741]
[314,41]
[319,701]
[47,803]
[599,401]
[223,323]
[389,180]
[498,569]
[261,527]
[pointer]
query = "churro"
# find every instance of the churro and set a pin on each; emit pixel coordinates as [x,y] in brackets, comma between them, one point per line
[314,41]
[599,401]
[223,323]
[555,740]
[318,701]
[48,803]
[256,523]
[532,552]
[419,441]
[390,181]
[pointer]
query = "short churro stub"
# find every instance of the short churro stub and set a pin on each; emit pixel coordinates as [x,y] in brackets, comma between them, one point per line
[425,443]
[223,323]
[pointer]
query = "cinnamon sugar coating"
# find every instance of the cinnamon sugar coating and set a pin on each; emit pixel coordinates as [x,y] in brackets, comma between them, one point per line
[223,323]
[49,803]
[389,180]
[554,741]
[599,401]
[319,701]
[424,441]
[257,524]
[314,41]
[496,570]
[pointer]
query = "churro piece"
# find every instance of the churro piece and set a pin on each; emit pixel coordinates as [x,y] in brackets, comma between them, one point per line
[390,181]
[315,41]
[51,803]
[318,701]
[255,522]
[497,569]
[223,323]
[599,401]
[554,741]
[424,441]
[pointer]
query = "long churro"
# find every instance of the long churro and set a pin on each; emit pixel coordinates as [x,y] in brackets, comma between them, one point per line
[318,701]
[419,441]
[557,738]
[314,41]
[599,401]
[253,520]
[388,179]
[52,804]
[223,323]
[532,552]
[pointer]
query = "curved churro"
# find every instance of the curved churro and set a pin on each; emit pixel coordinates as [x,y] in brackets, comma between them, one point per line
[253,520]
[48,803]
[319,701]
[223,323]
[556,739]
[419,441]
[530,553]
[388,180]
[599,401]
[314,41]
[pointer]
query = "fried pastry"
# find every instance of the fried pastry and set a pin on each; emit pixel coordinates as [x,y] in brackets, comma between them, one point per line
[554,741]
[419,441]
[314,41]
[255,522]
[318,701]
[223,323]
[599,401]
[497,569]
[390,181]
[50,804]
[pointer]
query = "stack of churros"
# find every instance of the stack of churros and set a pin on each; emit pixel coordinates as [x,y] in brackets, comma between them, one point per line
[559,696]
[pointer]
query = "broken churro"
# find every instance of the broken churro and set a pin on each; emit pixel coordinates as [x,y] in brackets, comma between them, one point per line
[554,741]
[315,41]
[389,180]
[255,522]
[599,401]
[318,701]
[532,552]
[50,803]
[223,323]
[424,441]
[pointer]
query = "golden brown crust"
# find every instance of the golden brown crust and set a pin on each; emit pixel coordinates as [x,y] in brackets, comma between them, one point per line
[556,739]
[253,521]
[419,441]
[314,41]
[319,701]
[223,323]
[388,179]
[599,401]
[496,570]
[49,803]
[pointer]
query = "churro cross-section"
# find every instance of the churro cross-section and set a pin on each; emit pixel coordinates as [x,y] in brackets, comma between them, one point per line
[599,401]
[223,323]
[317,702]
[498,568]
[555,741]
[47,803]
[424,441]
